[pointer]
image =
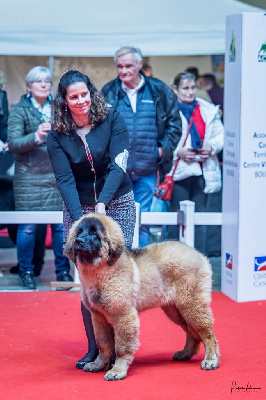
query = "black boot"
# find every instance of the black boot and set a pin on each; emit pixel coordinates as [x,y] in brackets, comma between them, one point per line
[93,350]
[64,277]
[112,360]
[28,280]
[14,269]
[39,249]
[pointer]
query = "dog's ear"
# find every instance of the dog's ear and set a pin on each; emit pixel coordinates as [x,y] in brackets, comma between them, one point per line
[69,246]
[115,253]
[69,251]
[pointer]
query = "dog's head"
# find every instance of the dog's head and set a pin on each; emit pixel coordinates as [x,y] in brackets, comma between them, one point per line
[95,238]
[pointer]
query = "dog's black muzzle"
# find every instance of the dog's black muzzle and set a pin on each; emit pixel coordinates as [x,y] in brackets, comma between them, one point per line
[87,244]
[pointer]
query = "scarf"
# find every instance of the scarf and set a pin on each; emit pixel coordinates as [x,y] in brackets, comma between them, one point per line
[187,111]
[45,110]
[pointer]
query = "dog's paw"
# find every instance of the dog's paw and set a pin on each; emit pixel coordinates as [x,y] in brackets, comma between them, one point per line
[210,363]
[93,367]
[181,356]
[115,375]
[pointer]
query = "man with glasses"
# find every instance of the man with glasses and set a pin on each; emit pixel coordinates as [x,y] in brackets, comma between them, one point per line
[150,109]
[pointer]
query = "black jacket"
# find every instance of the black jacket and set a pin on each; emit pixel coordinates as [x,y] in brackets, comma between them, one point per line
[73,171]
[168,120]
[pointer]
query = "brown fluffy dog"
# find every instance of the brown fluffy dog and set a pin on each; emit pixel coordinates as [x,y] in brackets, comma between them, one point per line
[117,284]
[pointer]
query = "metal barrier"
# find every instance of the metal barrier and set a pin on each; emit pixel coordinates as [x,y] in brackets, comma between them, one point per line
[186,218]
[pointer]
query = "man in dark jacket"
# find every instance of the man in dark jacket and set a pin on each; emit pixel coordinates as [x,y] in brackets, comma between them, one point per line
[208,82]
[150,109]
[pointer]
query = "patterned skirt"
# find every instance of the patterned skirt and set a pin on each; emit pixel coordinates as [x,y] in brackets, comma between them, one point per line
[122,210]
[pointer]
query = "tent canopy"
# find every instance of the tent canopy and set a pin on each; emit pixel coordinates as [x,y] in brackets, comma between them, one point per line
[96,29]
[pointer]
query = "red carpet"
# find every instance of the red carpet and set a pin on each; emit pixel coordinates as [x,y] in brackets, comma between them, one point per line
[42,337]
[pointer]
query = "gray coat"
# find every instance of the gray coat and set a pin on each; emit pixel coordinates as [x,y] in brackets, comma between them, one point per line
[35,187]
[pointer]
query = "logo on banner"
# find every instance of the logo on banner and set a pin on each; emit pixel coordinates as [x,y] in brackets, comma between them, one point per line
[260,264]
[232,54]
[262,53]
[259,277]
[228,261]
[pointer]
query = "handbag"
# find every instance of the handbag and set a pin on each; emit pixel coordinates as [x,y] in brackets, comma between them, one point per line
[165,189]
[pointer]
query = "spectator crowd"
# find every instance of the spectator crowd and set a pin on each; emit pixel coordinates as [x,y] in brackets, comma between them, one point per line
[131,134]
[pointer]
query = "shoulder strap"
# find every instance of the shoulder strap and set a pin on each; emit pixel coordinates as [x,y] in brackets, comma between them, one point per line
[188,129]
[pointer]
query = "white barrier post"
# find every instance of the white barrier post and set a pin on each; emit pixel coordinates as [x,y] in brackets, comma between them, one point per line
[186,233]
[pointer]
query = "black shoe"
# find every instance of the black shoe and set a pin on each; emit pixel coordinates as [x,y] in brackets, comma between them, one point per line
[37,270]
[112,361]
[28,280]
[89,357]
[64,277]
[14,270]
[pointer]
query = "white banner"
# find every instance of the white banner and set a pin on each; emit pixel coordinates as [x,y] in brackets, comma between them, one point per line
[244,210]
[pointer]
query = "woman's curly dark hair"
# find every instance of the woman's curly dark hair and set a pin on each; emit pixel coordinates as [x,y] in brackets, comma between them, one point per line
[62,120]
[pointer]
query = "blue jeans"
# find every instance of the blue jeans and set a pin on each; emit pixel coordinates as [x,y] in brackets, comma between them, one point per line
[25,248]
[143,188]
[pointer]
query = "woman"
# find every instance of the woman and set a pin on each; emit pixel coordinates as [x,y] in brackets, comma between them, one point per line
[34,182]
[198,172]
[88,151]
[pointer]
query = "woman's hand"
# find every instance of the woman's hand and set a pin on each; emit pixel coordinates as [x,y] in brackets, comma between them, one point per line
[4,147]
[43,129]
[205,152]
[187,155]
[100,208]
[160,150]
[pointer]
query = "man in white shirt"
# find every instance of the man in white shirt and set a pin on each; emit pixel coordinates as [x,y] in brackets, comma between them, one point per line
[150,109]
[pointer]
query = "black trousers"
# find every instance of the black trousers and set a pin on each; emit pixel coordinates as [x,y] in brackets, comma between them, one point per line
[214,232]
[190,189]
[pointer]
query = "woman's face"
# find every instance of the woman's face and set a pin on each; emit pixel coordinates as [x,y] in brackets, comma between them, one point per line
[186,91]
[41,88]
[78,99]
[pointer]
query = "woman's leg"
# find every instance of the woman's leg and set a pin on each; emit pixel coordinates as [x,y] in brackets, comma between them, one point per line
[25,248]
[200,199]
[92,347]
[39,248]
[181,192]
